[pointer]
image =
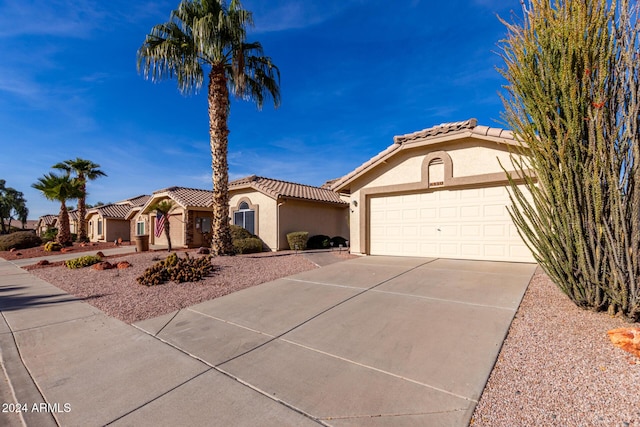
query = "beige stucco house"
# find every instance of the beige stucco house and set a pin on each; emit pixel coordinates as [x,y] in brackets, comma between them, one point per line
[268,208]
[45,222]
[108,223]
[272,208]
[439,192]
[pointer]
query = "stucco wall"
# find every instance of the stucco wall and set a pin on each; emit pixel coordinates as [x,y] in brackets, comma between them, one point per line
[265,213]
[470,157]
[315,218]
[116,229]
[176,230]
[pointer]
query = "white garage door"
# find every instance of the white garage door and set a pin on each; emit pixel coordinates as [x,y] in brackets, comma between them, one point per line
[466,224]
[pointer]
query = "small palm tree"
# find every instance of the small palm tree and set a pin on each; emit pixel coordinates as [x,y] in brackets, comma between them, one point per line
[85,170]
[211,34]
[164,208]
[60,188]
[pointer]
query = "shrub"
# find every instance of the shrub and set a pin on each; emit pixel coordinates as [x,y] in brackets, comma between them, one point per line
[319,241]
[19,240]
[83,261]
[50,234]
[244,242]
[176,269]
[339,240]
[250,245]
[52,246]
[298,240]
[238,233]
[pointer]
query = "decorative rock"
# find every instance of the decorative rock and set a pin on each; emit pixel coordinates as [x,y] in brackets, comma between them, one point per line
[123,264]
[203,251]
[12,250]
[64,250]
[627,339]
[100,254]
[43,262]
[103,266]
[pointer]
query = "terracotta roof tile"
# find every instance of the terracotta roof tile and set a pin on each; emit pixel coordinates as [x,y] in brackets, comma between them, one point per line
[49,219]
[441,129]
[189,197]
[117,211]
[138,200]
[277,189]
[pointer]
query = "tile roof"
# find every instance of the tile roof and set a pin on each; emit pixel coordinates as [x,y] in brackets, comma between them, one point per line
[116,211]
[277,189]
[138,200]
[49,219]
[467,127]
[189,197]
[73,215]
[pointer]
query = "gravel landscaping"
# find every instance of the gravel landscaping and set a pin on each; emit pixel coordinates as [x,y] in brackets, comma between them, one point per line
[117,293]
[557,367]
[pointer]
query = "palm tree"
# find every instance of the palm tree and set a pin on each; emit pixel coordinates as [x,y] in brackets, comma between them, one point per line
[211,34]
[163,209]
[85,170]
[60,188]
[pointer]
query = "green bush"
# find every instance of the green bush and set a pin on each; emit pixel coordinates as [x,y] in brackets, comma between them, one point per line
[319,241]
[339,240]
[83,261]
[297,240]
[238,233]
[250,245]
[50,235]
[19,240]
[52,246]
[245,242]
[176,269]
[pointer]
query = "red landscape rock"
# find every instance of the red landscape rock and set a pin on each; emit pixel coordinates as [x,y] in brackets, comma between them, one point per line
[12,250]
[105,265]
[64,250]
[627,339]
[123,264]
[100,254]
[43,262]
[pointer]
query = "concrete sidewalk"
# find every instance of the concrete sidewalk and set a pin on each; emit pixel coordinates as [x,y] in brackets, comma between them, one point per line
[366,342]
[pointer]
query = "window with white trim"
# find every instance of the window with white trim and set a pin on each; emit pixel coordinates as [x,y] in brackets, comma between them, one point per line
[245,217]
[140,228]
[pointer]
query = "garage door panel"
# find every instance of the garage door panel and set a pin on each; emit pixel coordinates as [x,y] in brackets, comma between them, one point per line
[469,223]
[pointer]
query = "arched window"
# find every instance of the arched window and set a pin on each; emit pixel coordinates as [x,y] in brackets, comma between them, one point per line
[245,217]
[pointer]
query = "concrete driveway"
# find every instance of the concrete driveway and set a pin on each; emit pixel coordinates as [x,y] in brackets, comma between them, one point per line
[375,341]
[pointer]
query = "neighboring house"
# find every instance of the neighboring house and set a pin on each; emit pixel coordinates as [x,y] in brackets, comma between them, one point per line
[439,192]
[46,222]
[190,220]
[108,223]
[266,207]
[272,208]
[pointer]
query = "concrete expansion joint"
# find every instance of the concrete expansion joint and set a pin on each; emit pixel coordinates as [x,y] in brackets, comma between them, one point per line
[408,414]
[52,323]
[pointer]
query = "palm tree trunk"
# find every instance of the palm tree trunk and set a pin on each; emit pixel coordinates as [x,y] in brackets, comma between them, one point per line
[167,231]
[218,98]
[82,212]
[64,233]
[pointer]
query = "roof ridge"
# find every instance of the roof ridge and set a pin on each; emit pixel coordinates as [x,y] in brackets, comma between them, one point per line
[290,182]
[442,128]
[177,187]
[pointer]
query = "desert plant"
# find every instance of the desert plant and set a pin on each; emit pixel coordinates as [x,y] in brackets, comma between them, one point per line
[52,246]
[319,241]
[297,240]
[176,269]
[83,261]
[573,100]
[19,240]
[50,234]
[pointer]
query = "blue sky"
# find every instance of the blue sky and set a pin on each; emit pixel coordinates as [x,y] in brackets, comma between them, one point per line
[354,74]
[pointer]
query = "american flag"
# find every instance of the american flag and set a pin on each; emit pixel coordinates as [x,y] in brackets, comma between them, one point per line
[159,224]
